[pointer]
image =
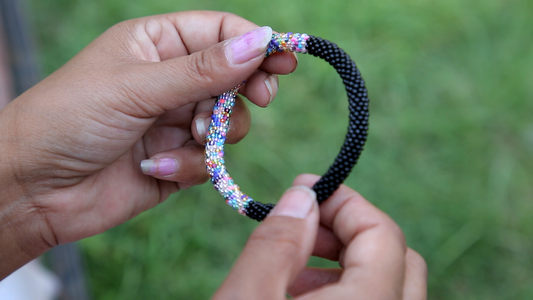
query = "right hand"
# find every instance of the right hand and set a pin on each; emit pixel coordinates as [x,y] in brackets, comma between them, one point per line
[370,247]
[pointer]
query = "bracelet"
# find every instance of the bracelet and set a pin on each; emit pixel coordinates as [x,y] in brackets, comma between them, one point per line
[350,150]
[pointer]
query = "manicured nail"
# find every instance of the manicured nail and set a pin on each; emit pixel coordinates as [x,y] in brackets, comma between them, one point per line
[165,166]
[297,202]
[272,84]
[201,127]
[248,46]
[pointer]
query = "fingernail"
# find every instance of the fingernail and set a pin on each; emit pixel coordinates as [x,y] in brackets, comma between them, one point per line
[201,128]
[297,202]
[272,84]
[248,46]
[165,166]
[296,57]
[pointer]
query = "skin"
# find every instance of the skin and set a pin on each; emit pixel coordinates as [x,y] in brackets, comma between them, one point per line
[374,261]
[71,147]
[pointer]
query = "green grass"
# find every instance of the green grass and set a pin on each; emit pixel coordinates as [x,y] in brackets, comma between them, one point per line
[449,155]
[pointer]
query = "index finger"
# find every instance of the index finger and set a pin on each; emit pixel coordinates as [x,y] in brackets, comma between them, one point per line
[374,245]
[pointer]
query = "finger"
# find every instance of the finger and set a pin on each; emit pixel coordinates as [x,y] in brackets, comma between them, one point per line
[170,131]
[313,278]
[202,75]
[184,165]
[281,63]
[374,254]
[416,274]
[327,245]
[166,188]
[277,251]
[239,124]
[183,33]
[261,88]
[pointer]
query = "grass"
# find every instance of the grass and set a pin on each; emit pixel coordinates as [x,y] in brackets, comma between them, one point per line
[449,155]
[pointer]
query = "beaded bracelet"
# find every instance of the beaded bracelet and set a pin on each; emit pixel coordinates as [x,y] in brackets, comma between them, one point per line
[349,153]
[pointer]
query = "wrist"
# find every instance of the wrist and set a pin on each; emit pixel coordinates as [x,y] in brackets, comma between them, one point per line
[22,234]
[10,189]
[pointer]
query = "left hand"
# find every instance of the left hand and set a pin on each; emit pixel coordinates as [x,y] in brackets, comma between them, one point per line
[71,147]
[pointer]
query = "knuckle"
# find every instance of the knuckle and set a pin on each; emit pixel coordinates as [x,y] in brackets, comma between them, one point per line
[357,215]
[201,67]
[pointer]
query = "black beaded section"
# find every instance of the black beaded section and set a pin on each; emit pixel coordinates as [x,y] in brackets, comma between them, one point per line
[357,129]
[257,210]
[358,126]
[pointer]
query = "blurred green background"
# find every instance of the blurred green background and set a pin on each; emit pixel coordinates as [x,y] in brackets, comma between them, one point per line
[449,155]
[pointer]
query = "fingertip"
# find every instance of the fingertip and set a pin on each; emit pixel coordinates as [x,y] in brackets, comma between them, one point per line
[295,60]
[306,179]
[415,261]
[201,126]
[297,202]
[184,164]
[416,276]
[272,85]
[248,46]
[160,167]
[261,88]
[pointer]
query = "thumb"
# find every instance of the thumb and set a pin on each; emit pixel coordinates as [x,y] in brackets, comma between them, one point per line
[277,251]
[201,75]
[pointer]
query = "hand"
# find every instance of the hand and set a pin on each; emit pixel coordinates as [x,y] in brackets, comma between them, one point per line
[370,247]
[71,147]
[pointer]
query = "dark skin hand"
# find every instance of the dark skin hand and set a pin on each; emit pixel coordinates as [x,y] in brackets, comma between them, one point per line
[72,146]
[374,261]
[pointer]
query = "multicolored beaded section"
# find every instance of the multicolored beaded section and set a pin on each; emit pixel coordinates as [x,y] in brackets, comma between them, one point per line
[288,42]
[216,135]
[214,152]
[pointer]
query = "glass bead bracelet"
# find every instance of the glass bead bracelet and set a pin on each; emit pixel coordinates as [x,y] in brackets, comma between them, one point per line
[350,151]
